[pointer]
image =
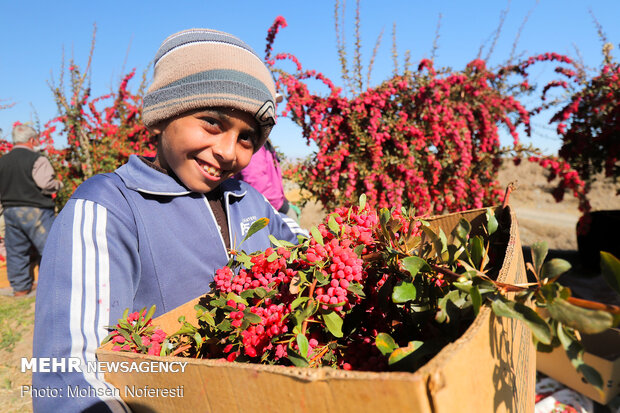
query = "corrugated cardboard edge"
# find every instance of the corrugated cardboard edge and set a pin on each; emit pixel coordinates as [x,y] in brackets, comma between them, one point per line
[457,379]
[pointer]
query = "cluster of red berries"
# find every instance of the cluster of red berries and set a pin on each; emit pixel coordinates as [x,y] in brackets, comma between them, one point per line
[274,269]
[264,272]
[345,268]
[257,338]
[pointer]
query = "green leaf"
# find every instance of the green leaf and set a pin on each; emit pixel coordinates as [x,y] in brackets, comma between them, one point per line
[443,240]
[149,314]
[274,256]
[539,253]
[492,223]
[236,298]
[199,307]
[403,291]
[333,322]
[385,343]
[245,294]
[252,318]
[320,277]
[280,242]
[203,315]
[436,240]
[299,300]
[296,358]
[582,319]
[402,352]
[137,340]
[454,253]
[476,299]
[332,224]
[356,288]
[256,226]
[610,267]
[316,234]
[362,201]
[260,292]
[208,318]
[126,335]
[108,338]
[286,243]
[591,375]
[275,241]
[301,315]
[484,286]
[166,347]
[566,337]
[304,346]
[384,216]
[554,267]
[414,264]
[244,259]
[462,230]
[359,249]
[463,286]
[224,325]
[477,251]
[536,324]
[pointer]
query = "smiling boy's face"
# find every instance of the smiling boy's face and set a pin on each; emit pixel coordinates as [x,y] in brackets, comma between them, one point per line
[205,147]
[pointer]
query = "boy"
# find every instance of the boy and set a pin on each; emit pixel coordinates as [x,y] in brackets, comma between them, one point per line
[155,231]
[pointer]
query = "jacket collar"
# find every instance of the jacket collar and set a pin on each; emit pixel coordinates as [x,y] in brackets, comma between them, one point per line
[22,146]
[140,177]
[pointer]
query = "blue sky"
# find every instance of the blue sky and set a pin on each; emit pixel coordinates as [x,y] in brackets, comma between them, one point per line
[35,34]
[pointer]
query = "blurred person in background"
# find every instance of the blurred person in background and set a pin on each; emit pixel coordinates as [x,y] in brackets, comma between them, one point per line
[26,187]
[265,175]
[2,246]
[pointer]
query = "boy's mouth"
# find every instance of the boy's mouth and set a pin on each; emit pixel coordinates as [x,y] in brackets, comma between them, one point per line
[211,170]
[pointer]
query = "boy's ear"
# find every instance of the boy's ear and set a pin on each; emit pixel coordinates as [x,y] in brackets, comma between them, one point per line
[157,128]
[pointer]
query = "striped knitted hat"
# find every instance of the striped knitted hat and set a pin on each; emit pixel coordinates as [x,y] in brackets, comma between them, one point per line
[200,68]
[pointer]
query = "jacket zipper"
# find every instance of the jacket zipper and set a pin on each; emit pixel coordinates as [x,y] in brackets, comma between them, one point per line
[219,232]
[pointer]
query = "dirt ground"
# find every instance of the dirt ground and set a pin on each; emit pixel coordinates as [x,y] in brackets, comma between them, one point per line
[540,218]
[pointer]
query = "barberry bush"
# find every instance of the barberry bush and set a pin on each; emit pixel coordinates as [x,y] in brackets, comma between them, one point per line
[426,138]
[101,132]
[589,123]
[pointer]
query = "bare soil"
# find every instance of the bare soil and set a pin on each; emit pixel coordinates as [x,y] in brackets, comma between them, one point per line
[540,217]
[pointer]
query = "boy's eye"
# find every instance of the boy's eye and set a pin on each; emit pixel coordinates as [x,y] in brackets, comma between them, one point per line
[210,121]
[247,140]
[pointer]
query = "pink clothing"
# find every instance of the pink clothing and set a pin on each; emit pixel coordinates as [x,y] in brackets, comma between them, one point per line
[265,175]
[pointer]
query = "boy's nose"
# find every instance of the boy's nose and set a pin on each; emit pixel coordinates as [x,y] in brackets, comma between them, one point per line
[225,148]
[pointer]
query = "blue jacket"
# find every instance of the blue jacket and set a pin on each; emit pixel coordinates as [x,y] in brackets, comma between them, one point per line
[131,239]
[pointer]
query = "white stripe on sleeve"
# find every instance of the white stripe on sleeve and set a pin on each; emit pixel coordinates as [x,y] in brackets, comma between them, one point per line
[90,269]
[293,226]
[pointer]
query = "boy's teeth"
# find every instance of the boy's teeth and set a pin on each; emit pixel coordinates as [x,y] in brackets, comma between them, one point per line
[211,170]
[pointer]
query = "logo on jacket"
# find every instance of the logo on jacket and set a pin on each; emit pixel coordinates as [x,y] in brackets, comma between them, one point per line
[246,223]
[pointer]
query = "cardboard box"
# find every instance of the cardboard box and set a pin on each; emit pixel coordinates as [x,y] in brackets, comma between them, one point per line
[602,353]
[491,368]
